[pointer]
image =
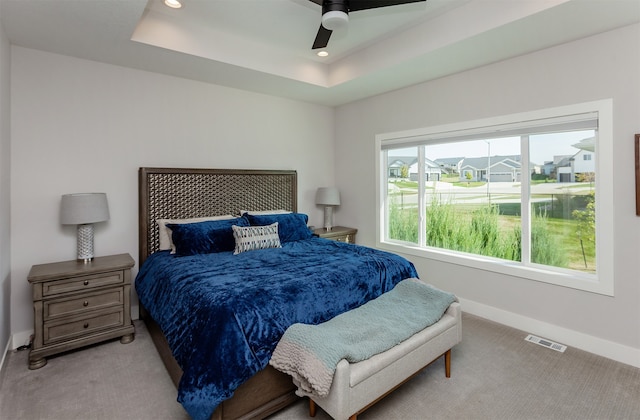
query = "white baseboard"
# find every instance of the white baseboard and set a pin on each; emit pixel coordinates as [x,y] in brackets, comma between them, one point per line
[571,338]
[4,354]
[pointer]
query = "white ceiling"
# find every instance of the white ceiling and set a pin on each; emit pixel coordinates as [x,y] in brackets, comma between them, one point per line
[265,45]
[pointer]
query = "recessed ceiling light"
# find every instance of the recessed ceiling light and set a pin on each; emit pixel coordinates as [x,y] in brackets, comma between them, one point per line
[322,53]
[175,4]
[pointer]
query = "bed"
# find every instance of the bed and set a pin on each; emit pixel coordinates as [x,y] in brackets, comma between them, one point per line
[230,373]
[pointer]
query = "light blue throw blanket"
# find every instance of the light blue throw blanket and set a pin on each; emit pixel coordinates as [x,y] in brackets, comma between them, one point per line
[310,353]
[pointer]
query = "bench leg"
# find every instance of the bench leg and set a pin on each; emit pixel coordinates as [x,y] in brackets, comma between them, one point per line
[447,363]
[312,408]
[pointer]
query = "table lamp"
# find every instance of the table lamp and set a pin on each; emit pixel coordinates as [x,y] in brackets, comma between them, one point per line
[84,209]
[328,197]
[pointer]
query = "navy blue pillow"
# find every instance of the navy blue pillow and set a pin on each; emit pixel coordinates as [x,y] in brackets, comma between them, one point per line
[291,226]
[205,237]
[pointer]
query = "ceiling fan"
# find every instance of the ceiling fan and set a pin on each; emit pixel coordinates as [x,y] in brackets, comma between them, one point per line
[335,15]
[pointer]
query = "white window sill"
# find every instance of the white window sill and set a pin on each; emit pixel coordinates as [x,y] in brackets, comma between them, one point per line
[565,278]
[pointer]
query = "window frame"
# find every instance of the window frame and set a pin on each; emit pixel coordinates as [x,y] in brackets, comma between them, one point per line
[602,282]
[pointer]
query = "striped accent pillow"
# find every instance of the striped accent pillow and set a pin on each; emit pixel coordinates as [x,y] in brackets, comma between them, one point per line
[256,237]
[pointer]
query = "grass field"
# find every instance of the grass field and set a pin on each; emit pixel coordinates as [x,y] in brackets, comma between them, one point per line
[564,232]
[456,229]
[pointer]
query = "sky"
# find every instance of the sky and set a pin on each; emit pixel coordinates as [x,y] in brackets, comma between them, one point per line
[543,147]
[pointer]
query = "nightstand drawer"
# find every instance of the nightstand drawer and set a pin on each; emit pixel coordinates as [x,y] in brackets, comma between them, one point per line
[81,283]
[338,233]
[67,330]
[73,306]
[350,239]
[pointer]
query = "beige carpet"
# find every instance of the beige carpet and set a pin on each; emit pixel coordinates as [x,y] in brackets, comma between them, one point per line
[495,375]
[105,381]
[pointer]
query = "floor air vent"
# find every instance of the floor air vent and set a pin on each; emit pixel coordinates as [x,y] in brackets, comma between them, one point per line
[546,343]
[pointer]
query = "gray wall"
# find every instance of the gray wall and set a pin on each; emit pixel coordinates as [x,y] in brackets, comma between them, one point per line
[599,67]
[5,191]
[81,126]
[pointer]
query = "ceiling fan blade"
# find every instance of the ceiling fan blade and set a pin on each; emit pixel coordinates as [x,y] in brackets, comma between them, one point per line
[346,6]
[355,5]
[322,38]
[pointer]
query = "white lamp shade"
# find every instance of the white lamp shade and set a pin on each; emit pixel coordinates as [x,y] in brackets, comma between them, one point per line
[83,208]
[328,196]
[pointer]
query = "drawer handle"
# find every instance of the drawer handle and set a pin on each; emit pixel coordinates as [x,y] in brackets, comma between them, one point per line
[86,282]
[85,303]
[86,325]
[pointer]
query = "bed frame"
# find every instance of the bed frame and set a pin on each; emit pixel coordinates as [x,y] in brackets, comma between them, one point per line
[175,193]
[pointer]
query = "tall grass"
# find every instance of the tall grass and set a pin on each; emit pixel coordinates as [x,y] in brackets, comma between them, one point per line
[403,224]
[476,231]
[545,248]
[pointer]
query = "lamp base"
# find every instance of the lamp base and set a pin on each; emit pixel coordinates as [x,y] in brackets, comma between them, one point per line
[328,218]
[85,243]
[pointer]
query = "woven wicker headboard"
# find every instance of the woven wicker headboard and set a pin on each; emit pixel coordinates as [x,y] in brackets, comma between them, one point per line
[174,193]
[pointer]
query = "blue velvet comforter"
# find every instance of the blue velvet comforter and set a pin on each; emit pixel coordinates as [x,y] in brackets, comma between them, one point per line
[223,314]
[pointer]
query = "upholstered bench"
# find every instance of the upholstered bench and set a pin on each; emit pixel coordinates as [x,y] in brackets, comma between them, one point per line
[357,386]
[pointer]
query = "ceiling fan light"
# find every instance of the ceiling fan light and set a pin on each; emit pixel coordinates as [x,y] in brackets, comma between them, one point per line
[335,20]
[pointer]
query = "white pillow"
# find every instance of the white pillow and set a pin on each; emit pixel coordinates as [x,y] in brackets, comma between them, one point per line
[164,233]
[262,212]
[256,237]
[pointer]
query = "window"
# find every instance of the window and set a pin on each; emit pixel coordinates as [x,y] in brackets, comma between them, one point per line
[527,194]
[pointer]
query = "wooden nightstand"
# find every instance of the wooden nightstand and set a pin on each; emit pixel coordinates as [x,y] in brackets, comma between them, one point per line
[338,233]
[77,304]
